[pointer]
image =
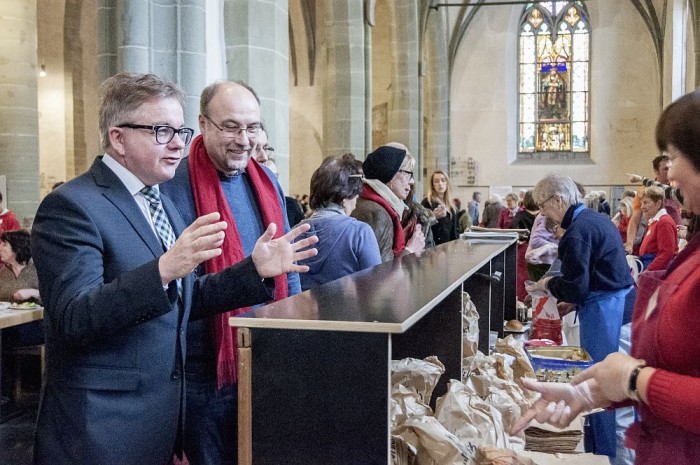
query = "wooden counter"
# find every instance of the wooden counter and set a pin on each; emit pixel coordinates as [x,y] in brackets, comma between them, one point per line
[315,367]
[9,317]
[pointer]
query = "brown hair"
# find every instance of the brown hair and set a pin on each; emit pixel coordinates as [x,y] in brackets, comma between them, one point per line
[20,243]
[338,178]
[679,125]
[529,201]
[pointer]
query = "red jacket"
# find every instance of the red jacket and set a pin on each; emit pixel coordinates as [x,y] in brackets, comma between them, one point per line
[661,239]
[8,222]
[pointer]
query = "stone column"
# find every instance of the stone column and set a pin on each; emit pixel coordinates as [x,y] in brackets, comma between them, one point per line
[344,102]
[404,101]
[164,38]
[192,56]
[19,133]
[435,90]
[133,35]
[107,27]
[257,52]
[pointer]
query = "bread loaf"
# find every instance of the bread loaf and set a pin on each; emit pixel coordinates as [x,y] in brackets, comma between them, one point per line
[514,325]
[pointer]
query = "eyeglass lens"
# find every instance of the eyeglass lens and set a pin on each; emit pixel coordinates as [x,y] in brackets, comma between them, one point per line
[164,134]
[234,131]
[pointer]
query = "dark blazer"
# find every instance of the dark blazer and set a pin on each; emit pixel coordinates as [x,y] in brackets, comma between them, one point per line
[115,340]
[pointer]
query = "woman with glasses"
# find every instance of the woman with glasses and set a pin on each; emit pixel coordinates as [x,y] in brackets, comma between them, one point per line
[388,180]
[661,376]
[594,277]
[446,228]
[345,245]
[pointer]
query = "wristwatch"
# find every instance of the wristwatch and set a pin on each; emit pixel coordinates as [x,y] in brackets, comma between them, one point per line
[632,385]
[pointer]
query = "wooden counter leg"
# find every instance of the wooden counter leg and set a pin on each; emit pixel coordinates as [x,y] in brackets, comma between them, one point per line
[245,398]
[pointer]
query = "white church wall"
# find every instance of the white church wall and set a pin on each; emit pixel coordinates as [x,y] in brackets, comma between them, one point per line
[625,100]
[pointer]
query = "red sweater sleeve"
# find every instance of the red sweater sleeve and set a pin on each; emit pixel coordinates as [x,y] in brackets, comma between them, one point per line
[673,392]
[666,243]
[676,398]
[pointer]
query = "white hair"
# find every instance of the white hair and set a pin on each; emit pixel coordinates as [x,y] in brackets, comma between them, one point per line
[557,184]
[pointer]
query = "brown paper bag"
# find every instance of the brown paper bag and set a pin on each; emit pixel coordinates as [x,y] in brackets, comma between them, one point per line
[435,445]
[421,375]
[405,404]
[470,326]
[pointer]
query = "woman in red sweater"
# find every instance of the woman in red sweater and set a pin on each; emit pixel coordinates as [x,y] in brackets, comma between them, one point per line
[661,378]
[660,243]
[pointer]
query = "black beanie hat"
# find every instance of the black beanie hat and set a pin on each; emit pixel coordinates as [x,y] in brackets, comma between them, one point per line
[383,163]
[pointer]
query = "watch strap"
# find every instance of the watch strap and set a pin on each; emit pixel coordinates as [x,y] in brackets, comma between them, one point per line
[632,384]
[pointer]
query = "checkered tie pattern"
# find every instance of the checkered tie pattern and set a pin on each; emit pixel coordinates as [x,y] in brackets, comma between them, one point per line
[160,221]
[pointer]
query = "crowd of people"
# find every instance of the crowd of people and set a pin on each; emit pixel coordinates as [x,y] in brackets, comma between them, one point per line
[149,249]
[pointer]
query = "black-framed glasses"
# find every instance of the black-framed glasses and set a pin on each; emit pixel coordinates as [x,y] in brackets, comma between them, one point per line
[235,131]
[164,133]
[407,173]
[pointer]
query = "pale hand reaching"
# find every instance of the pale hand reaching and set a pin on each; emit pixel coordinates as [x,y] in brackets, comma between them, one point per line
[22,295]
[539,286]
[560,403]
[612,374]
[273,257]
[634,178]
[416,244]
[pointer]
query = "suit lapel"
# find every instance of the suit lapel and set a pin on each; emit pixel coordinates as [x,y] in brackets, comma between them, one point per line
[119,196]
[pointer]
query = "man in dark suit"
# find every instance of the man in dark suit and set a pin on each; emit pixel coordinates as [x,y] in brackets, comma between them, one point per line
[118,287]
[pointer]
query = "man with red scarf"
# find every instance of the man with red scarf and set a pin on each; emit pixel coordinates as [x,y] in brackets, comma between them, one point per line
[221,174]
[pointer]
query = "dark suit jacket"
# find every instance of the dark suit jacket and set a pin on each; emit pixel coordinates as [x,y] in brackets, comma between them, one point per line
[115,339]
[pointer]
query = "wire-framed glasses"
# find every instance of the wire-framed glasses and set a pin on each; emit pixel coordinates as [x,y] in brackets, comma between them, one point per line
[235,131]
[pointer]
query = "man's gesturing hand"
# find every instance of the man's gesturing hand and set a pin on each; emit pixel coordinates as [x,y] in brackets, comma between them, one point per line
[199,242]
[273,257]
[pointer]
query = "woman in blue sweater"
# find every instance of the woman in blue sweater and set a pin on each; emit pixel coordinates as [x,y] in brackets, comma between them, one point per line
[594,276]
[345,245]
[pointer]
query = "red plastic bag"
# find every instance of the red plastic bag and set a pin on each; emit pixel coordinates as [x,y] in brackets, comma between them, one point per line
[546,322]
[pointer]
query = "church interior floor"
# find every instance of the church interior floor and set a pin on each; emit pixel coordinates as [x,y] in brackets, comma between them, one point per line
[16,433]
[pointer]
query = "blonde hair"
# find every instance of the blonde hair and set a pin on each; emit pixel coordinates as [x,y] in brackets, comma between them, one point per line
[654,193]
[445,199]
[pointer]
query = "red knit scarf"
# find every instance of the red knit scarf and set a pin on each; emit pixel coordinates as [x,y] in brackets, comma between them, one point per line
[399,237]
[209,197]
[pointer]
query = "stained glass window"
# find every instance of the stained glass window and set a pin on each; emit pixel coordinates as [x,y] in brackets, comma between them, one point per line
[554,51]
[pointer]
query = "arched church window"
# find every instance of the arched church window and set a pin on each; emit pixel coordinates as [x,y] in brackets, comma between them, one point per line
[554,52]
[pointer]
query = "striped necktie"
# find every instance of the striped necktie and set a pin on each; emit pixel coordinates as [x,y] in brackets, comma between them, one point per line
[160,222]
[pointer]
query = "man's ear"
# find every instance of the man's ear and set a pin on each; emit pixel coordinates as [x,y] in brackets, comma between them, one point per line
[202,121]
[116,140]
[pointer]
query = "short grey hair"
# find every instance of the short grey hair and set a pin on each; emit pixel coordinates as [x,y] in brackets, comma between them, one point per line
[556,184]
[122,95]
